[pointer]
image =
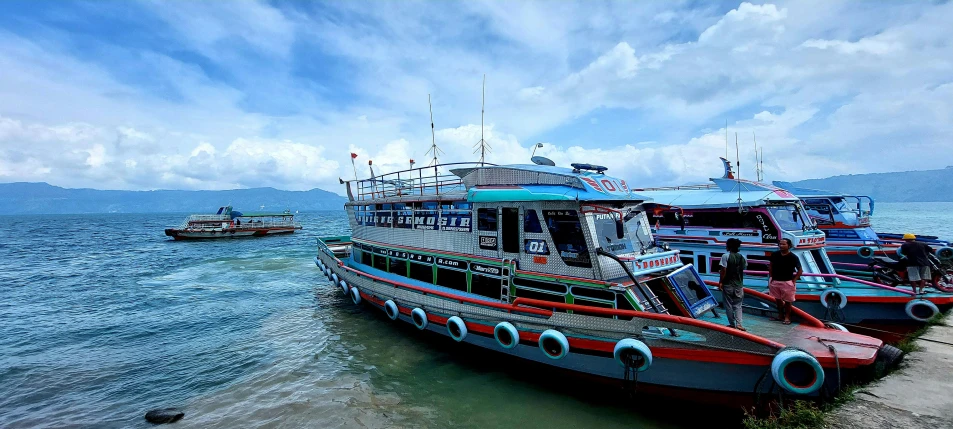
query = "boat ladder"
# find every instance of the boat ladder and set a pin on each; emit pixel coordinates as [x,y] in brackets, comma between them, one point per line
[505,276]
[658,304]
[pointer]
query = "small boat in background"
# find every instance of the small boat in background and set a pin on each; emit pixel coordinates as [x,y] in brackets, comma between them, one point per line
[845,220]
[228,223]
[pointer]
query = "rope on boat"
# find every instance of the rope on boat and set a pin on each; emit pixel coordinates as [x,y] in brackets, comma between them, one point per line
[630,381]
[836,360]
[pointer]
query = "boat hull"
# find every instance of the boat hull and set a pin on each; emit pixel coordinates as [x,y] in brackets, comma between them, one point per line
[707,375]
[181,234]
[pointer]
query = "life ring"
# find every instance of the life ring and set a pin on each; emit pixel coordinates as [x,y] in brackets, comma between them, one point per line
[837,326]
[506,335]
[833,297]
[921,310]
[456,328]
[355,295]
[797,371]
[945,253]
[630,348]
[419,316]
[554,344]
[344,287]
[866,252]
[390,307]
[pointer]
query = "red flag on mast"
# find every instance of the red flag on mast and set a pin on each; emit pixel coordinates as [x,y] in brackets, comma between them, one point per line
[353,155]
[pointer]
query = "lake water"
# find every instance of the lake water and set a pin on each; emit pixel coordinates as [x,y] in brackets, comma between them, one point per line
[103,318]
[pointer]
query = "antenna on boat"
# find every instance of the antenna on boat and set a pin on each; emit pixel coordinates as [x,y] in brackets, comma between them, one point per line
[738,177]
[433,139]
[483,146]
[761,161]
[354,166]
[757,165]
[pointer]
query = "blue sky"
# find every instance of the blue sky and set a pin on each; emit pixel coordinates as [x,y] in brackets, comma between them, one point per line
[217,95]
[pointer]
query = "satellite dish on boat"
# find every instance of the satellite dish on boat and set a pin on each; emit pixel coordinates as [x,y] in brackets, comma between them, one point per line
[542,160]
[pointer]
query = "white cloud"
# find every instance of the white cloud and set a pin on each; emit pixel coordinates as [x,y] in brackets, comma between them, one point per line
[824,94]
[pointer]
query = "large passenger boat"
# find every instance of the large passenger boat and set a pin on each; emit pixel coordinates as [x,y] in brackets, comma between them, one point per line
[559,267]
[851,239]
[228,223]
[699,219]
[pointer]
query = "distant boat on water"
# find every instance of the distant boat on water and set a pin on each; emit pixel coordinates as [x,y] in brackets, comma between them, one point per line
[228,223]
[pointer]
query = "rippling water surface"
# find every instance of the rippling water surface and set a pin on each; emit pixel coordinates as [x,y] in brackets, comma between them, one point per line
[103,318]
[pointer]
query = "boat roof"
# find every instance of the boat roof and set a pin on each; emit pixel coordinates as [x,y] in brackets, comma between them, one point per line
[808,192]
[720,193]
[522,182]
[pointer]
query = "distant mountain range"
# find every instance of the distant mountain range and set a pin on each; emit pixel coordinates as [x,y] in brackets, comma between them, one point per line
[43,198]
[903,186]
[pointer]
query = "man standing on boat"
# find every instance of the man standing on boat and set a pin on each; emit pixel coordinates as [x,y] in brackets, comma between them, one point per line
[918,263]
[732,282]
[783,272]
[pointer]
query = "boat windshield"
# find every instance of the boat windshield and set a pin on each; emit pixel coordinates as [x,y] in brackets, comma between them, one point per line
[636,235]
[790,217]
[840,204]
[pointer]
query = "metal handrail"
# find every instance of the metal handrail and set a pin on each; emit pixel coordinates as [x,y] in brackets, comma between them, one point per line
[412,182]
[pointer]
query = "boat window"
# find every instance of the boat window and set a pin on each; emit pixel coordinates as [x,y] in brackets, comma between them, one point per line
[486,286]
[428,205]
[531,222]
[542,296]
[602,294]
[786,219]
[398,267]
[421,272]
[607,233]
[622,303]
[567,234]
[546,286]
[452,279]
[702,263]
[461,205]
[486,219]
[366,258]
[510,232]
[692,291]
[380,262]
[597,304]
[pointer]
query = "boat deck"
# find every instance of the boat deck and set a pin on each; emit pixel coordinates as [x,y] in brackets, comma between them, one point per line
[857,348]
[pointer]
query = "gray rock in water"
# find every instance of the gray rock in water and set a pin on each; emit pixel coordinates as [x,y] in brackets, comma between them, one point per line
[164,415]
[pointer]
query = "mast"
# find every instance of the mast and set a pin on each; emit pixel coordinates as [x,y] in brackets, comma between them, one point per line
[433,138]
[482,145]
[738,177]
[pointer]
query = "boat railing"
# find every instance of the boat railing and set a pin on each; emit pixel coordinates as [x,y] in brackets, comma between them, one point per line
[247,225]
[432,180]
[679,188]
[206,218]
[741,340]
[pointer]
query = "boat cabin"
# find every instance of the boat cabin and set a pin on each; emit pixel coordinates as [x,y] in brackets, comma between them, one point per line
[698,220]
[500,233]
[841,217]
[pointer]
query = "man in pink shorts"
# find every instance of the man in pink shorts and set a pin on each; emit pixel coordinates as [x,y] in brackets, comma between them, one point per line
[783,272]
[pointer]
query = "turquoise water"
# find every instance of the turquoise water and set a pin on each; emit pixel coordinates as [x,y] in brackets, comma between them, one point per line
[918,218]
[103,318]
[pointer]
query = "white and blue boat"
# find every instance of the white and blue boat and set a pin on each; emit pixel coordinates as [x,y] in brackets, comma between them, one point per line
[698,220]
[558,266]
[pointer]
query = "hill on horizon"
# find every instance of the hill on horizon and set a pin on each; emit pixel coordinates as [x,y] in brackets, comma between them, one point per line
[43,198]
[901,186]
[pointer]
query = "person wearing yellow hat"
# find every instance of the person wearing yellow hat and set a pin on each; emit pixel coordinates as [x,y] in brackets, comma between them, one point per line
[918,263]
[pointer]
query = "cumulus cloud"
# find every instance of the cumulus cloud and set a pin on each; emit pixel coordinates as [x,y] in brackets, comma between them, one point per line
[256,94]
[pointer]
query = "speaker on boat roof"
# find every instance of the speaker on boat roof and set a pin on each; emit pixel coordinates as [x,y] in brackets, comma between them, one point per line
[542,160]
